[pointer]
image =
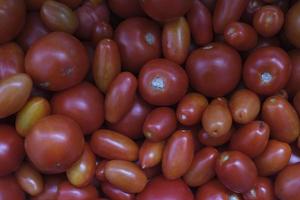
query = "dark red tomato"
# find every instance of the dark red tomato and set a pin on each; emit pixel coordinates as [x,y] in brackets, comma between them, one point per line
[47,142]
[33,30]
[90,13]
[236,171]
[210,140]
[11,150]
[131,124]
[64,68]
[101,31]
[99,173]
[83,103]
[268,20]
[126,8]
[115,193]
[240,35]
[226,12]
[263,189]
[50,191]
[66,191]
[120,96]
[159,124]
[165,10]
[211,78]
[267,70]
[251,8]
[9,189]
[200,21]
[292,25]
[164,189]
[251,138]
[287,183]
[162,82]
[12,19]
[292,86]
[139,40]
[11,60]
[213,190]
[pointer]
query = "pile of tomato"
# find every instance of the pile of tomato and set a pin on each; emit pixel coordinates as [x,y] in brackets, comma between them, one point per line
[149,100]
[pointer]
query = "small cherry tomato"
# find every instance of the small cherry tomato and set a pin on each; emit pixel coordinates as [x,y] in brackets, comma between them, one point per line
[67,191]
[9,188]
[291,28]
[292,86]
[126,8]
[263,189]
[210,140]
[150,154]
[114,193]
[102,30]
[50,191]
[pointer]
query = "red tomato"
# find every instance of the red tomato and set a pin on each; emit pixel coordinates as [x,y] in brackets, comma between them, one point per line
[292,86]
[126,8]
[66,191]
[9,189]
[263,189]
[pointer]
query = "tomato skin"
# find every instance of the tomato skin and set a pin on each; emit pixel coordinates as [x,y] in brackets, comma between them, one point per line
[226,12]
[11,60]
[102,30]
[150,154]
[282,118]
[159,124]
[83,103]
[251,139]
[64,68]
[178,154]
[59,131]
[162,82]
[291,27]
[294,80]
[115,193]
[12,17]
[139,40]
[125,175]
[67,191]
[164,189]
[50,191]
[211,140]
[274,158]
[12,153]
[160,10]
[287,185]
[99,174]
[264,75]
[112,145]
[202,167]
[210,78]
[235,162]
[127,8]
[263,189]
[120,96]
[9,188]
[200,22]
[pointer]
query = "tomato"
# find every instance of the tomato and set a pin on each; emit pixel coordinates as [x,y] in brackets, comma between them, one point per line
[267,70]
[274,158]
[102,30]
[287,185]
[165,10]
[115,193]
[12,19]
[12,150]
[240,35]
[139,40]
[296,102]
[226,12]
[200,22]
[120,96]
[15,91]
[9,188]
[162,82]
[202,167]
[126,9]
[125,175]
[83,103]
[251,8]
[29,179]
[239,164]
[291,27]
[210,78]
[11,60]
[89,14]
[67,191]
[64,68]
[150,154]
[112,145]
[263,189]
[282,118]
[54,131]
[99,174]
[210,140]
[178,154]
[176,40]
[251,139]
[268,20]
[164,189]
[244,106]
[216,118]
[59,17]
[50,191]
[159,124]
[131,124]
[292,86]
